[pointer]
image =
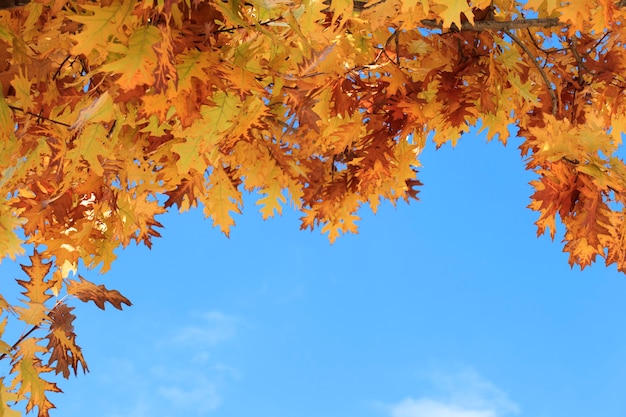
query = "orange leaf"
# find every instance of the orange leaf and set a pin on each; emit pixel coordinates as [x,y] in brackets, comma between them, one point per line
[88,291]
[62,342]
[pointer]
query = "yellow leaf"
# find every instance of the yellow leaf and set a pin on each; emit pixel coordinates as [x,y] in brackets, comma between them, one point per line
[191,65]
[190,155]
[28,369]
[198,141]
[272,201]
[7,396]
[138,60]
[220,199]
[22,85]
[342,9]
[91,146]
[7,131]
[524,89]
[452,12]
[544,8]
[103,24]
[10,243]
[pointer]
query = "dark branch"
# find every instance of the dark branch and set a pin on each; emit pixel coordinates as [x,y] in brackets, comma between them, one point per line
[496,25]
[20,340]
[9,4]
[38,116]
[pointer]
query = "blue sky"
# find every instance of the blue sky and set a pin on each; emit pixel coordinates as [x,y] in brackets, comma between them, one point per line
[447,307]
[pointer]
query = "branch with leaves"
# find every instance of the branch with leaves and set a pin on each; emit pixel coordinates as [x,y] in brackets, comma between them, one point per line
[113,112]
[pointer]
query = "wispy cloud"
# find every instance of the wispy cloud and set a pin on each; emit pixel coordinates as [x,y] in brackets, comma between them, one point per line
[182,373]
[213,328]
[464,394]
[425,407]
[200,397]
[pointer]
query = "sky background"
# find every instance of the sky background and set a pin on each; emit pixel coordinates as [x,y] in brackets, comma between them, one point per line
[447,307]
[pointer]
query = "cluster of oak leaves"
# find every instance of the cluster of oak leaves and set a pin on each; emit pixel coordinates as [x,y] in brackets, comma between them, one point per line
[112,111]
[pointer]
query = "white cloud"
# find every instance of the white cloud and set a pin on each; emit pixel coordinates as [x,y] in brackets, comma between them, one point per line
[181,375]
[201,398]
[215,328]
[465,394]
[140,408]
[425,407]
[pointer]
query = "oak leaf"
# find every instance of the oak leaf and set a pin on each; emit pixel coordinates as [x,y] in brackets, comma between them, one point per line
[100,26]
[220,199]
[37,291]
[88,291]
[62,342]
[112,112]
[138,61]
[28,368]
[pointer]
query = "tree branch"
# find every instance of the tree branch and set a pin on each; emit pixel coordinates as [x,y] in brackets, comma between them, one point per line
[20,340]
[541,71]
[504,25]
[38,116]
[10,4]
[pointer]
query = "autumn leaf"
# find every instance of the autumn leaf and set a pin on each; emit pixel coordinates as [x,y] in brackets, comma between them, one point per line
[453,11]
[7,398]
[543,7]
[6,120]
[22,86]
[165,69]
[220,199]
[272,201]
[138,62]
[202,136]
[87,291]
[91,146]
[62,342]
[556,193]
[191,65]
[112,113]
[5,348]
[185,195]
[100,26]
[10,243]
[100,110]
[28,369]
[37,291]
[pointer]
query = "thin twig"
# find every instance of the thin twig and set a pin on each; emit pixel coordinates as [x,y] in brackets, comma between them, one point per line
[20,340]
[541,71]
[38,116]
[232,29]
[579,59]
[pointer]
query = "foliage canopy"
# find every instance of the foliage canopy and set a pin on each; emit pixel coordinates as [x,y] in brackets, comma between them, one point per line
[113,111]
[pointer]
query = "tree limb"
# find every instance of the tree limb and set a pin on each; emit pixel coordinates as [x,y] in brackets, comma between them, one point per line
[541,71]
[9,4]
[505,25]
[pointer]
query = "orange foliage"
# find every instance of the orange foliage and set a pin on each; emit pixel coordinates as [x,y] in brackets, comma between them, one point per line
[113,111]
